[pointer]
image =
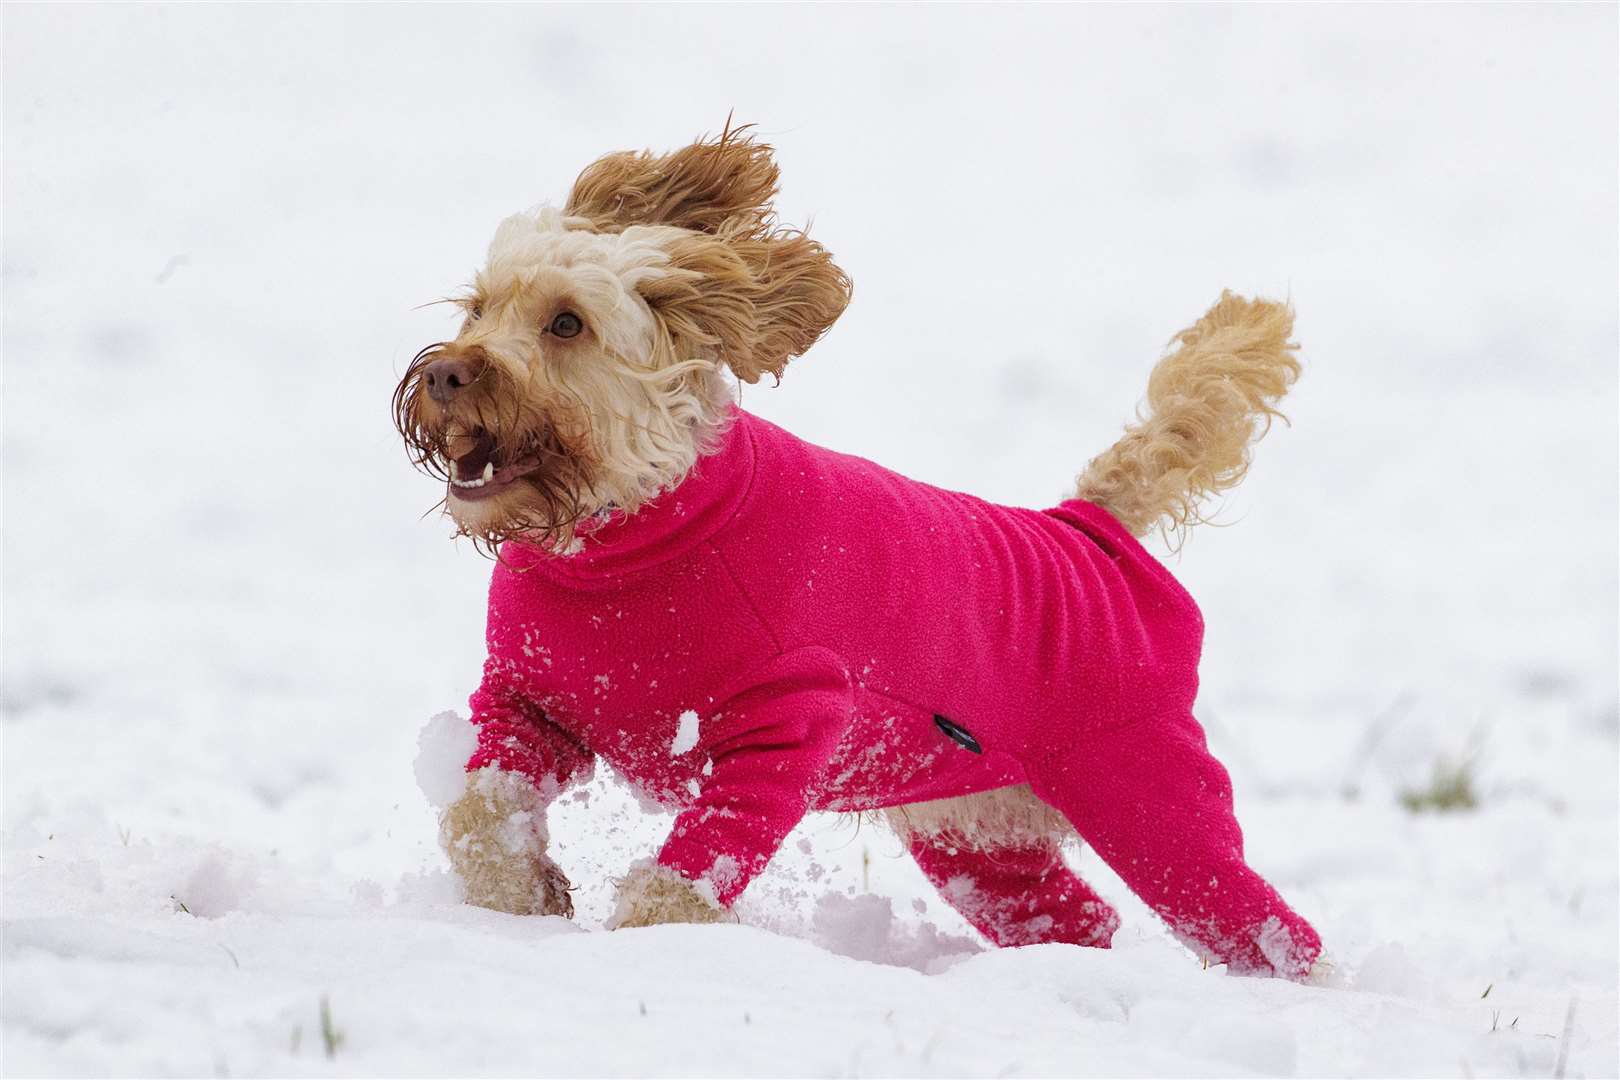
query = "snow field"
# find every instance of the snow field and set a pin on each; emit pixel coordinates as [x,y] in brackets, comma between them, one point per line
[226,623]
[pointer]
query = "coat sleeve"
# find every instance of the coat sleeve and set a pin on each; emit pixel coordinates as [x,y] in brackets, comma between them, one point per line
[767,748]
[514,734]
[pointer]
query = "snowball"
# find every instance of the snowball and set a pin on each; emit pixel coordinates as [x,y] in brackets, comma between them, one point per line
[686,734]
[442,750]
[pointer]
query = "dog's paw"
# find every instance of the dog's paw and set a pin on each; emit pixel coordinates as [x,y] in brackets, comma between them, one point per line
[1325,975]
[495,838]
[535,887]
[652,895]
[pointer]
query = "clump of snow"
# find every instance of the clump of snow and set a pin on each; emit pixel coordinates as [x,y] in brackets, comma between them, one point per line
[686,733]
[865,928]
[442,750]
[722,875]
[1276,944]
[857,926]
[523,832]
[216,886]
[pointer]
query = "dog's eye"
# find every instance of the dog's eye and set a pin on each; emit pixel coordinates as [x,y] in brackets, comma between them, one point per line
[566,325]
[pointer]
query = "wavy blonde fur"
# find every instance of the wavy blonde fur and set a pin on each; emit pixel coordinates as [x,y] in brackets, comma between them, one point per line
[495,836]
[654,895]
[1003,817]
[1207,403]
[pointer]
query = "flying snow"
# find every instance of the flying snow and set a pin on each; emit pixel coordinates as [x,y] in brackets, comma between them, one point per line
[442,750]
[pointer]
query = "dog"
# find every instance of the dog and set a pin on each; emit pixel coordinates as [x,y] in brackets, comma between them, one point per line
[750,627]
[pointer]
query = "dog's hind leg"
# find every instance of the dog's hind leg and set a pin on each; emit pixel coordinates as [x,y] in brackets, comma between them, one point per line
[1208,401]
[1016,894]
[1156,805]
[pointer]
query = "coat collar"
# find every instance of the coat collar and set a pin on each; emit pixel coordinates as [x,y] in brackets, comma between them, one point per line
[668,526]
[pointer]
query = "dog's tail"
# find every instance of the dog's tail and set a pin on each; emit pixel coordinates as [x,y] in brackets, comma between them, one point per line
[1208,402]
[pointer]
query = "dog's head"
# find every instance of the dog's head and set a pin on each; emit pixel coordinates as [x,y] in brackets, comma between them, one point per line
[590,368]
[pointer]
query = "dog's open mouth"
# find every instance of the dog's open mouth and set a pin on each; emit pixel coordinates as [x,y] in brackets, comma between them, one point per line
[481,472]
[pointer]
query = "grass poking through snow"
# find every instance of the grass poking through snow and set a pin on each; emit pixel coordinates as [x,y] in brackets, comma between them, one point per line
[331,1034]
[1450,788]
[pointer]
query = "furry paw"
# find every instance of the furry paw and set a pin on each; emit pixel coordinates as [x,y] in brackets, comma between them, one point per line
[1326,975]
[496,838]
[651,895]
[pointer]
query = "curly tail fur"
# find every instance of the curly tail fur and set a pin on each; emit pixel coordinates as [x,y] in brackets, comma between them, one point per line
[1208,402]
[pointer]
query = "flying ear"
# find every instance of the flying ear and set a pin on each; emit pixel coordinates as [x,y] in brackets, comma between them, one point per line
[724,182]
[740,288]
[752,301]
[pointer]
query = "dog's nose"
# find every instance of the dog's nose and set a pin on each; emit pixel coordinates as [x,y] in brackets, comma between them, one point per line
[448,377]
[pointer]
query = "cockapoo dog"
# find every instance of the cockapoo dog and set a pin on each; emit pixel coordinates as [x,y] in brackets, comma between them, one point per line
[750,627]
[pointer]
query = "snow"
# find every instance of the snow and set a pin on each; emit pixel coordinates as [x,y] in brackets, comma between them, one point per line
[443,747]
[226,621]
[686,733]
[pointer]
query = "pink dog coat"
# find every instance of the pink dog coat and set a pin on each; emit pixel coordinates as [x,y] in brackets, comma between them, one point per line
[792,629]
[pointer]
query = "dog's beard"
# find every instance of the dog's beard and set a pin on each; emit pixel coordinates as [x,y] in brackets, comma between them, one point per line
[521,464]
[510,470]
[533,488]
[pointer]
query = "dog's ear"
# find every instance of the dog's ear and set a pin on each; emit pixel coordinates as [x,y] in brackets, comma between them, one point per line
[754,301]
[740,288]
[710,186]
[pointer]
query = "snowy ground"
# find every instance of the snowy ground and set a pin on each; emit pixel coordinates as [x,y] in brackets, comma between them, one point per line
[225,620]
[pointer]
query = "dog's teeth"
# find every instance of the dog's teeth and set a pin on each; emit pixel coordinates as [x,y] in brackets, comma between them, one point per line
[452,471]
[489,471]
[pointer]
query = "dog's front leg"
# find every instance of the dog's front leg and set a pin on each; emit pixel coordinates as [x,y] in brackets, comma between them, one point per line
[495,835]
[652,895]
[764,751]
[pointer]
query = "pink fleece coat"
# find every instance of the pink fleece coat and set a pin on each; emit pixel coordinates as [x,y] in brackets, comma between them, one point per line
[793,629]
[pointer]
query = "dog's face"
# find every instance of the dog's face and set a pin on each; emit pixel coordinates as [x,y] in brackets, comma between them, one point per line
[590,369]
